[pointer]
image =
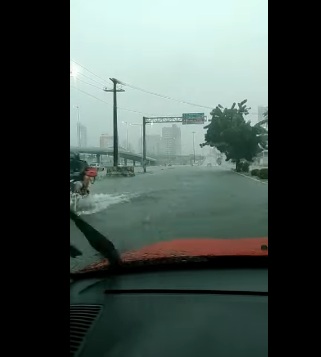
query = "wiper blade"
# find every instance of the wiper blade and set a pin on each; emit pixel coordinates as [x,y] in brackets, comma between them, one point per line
[98,241]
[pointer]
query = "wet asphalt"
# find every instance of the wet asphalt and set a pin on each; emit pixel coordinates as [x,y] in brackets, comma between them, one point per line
[174,202]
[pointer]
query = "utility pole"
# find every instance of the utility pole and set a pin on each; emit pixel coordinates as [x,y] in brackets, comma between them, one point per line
[115,90]
[194,145]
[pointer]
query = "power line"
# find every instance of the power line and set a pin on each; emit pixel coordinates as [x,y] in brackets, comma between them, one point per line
[90,84]
[128,110]
[170,98]
[90,95]
[145,91]
[134,111]
[102,84]
[78,64]
[121,108]
[165,96]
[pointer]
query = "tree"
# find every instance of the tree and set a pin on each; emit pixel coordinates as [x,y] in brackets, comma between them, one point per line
[264,121]
[232,135]
[262,126]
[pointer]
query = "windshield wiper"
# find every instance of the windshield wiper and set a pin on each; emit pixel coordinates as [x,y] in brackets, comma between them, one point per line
[98,241]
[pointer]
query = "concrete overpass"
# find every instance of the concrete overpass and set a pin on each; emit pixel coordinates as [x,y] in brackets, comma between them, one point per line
[178,159]
[123,153]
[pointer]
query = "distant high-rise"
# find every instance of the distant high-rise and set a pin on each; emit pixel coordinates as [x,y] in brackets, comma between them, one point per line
[171,141]
[153,145]
[82,132]
[106,141]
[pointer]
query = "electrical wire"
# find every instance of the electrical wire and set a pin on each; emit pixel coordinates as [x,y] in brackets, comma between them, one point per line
[121,108]
[78,64]
[148,92]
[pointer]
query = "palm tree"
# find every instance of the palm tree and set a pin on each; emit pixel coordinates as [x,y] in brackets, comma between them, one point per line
[262,127]
[265,121]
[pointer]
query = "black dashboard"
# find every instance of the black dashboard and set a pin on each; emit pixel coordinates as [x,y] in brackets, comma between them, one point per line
[215,312]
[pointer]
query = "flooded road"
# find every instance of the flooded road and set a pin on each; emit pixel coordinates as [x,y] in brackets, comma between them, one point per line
[171,203]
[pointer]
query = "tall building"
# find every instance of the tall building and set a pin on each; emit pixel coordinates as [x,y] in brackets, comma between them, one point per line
[153,145]
[106,141]
[82,135]
[171,141]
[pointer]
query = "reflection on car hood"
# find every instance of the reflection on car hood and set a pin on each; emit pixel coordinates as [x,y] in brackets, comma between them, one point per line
[183,250]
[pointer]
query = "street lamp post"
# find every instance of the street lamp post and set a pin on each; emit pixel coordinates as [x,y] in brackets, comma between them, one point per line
[143,148]
[144,144]
[194,145]
[78,125]
[125,122]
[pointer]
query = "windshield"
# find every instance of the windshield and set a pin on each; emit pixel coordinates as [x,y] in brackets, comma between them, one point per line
[168,122]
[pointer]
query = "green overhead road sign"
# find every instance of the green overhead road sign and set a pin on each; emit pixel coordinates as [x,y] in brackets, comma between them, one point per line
[193,118]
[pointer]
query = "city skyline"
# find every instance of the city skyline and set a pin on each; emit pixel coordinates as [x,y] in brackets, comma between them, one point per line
[82,135]
[153,144]
[232,68]
[106,141]
[171,140]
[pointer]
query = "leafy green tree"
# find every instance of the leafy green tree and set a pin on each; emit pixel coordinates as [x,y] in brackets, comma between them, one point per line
[264,121]
[262,126]
[232,135]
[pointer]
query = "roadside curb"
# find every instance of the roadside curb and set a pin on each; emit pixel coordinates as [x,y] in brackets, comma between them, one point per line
[251,178]
[247,176]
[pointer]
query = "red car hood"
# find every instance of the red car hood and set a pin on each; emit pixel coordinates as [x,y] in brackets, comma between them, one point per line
[189,249]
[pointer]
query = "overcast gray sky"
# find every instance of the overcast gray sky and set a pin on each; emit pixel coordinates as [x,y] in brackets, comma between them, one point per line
[207,52]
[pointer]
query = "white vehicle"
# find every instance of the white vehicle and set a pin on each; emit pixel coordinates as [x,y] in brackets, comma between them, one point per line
[97,166]
[94,164]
